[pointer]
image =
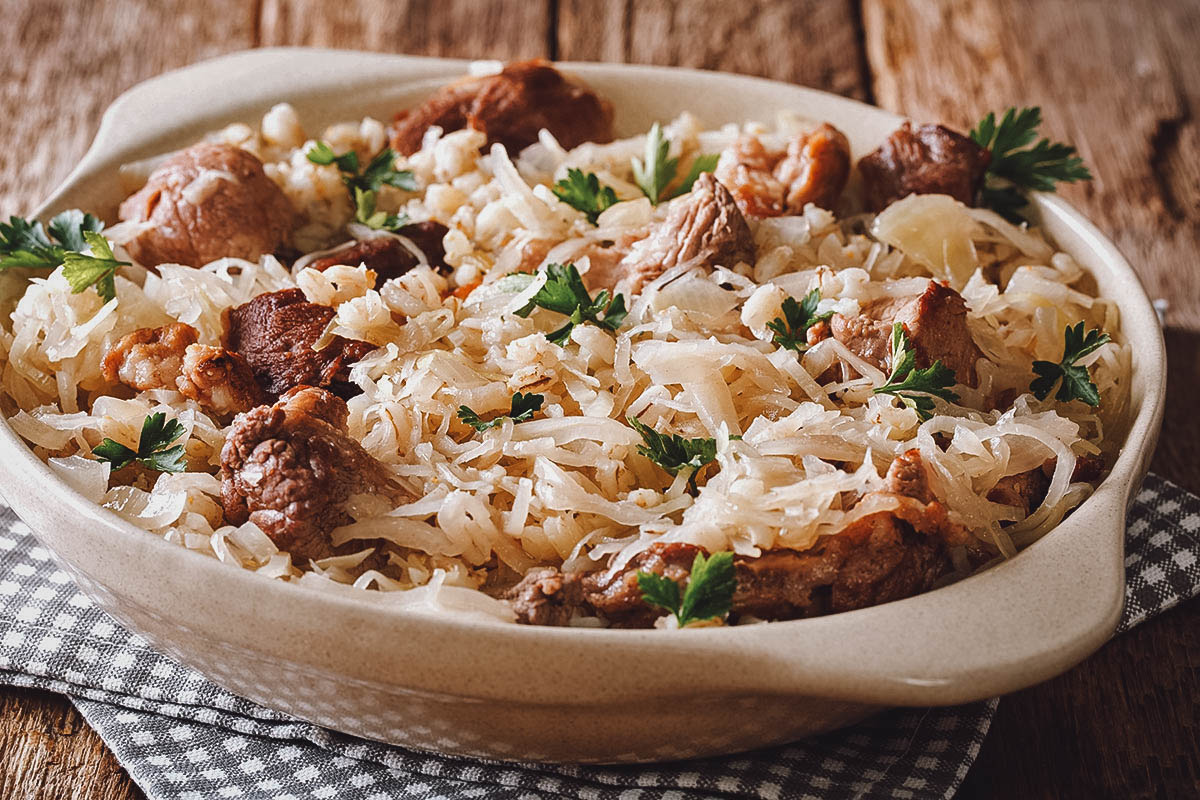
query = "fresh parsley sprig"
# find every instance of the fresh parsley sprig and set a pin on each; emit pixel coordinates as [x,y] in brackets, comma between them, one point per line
[655,171]
[521,408]
[82,270]
[674,453]
[364,212]
[154,449]
[583,193]
[565,293]
[25,244]
[1076,382]
[709,592]
[1017,167]
[791,330]
[916,388]
[365,184]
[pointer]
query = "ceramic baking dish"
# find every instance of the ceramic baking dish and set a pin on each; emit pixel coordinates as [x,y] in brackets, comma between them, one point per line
[511,692]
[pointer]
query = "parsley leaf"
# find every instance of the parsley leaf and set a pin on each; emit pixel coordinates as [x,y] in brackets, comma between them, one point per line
[565,293]
[1076,382]
[583,193]
[654,172]
[521,408]
[674,453]
[914,386]
[791,331]
[709,592]
[364,185]
[321,153]
[98,269]
[364,212]
[703,163]
[1019,163]
[154,450]
[25,244]
[382,171]
[69,226]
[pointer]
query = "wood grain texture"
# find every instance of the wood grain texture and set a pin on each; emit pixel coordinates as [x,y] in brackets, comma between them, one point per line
[448,28]
[812,42]
[1120,82]
[1117,79]
[48,751]
[53,89]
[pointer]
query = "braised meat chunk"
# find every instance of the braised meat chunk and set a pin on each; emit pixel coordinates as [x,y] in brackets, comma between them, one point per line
[547,596]
[702,228]
[510,107]
[813,169]
[936,323]
[219,379]
[275,333]
[207,202]
[290,468]
[149,358]
[170,358]
[929,160]
[895,552]
[389,257]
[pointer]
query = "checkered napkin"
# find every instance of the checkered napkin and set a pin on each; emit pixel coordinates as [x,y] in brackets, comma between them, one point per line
[182,737]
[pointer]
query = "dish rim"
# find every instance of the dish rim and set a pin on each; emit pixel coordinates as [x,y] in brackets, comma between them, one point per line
[901,680]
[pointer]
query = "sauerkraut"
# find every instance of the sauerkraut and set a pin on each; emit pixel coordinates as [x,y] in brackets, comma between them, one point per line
[799,437]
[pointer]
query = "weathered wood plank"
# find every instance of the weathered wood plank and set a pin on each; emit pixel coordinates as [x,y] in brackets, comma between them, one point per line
[48,751]
[811,42]
[450,28]
[64,62]
[1121,85]
[1124,86]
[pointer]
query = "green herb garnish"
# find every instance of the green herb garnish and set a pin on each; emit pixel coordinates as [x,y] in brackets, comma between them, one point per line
[25,244]
[674,453]
[654,173]
[321,153]
[565,293]
[584,193]
[709,592]
[364,185]
[521,408]
[154,450]
[791,331]
[98,269]
[915,386]
[1016,167]
[364,212]
[1076,382]
[703,163]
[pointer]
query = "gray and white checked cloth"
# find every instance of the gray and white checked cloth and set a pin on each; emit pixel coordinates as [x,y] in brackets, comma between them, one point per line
[183,737]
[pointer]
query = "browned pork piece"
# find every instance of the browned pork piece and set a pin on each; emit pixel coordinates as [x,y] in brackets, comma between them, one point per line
[290,468]
[1026,490]
[931,159]
[886,555]
[207,202]
[275,333]
[813,169]
[703,228]
[510,107]
[935,321]
[389,257]
[169,357]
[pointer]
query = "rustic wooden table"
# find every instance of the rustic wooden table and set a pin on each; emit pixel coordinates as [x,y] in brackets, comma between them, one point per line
[1121,80]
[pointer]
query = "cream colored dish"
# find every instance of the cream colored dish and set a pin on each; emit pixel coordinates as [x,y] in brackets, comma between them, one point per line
[471,687]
